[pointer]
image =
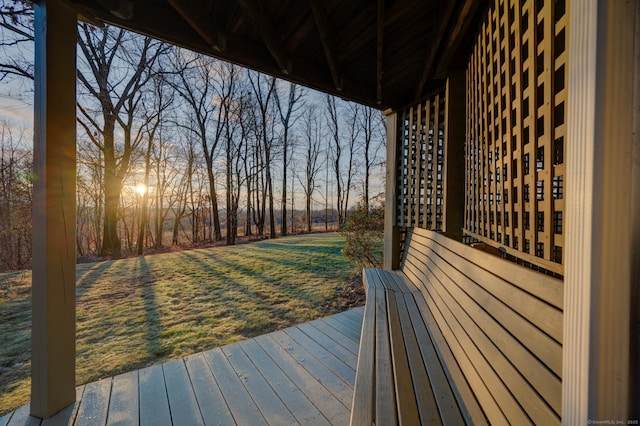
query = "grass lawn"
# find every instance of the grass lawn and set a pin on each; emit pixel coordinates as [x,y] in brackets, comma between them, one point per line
[135,312]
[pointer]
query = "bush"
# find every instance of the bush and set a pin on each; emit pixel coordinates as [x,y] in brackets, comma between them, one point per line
[364,233]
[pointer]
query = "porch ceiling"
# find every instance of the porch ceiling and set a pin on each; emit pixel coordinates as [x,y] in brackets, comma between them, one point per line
[384,53]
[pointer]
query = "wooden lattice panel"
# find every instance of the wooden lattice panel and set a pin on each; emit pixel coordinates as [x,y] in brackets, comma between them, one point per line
[516,131]
[420,164]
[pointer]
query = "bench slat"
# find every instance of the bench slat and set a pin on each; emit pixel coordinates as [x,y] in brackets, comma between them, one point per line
[544,347]
[460,336]
[385,395]
[384,277]
[422,384]
[363,395]
[532,403]
[454,396]
[545,382]
[407,406]
[542,286]
[536,311]
[463,345]
[459,366]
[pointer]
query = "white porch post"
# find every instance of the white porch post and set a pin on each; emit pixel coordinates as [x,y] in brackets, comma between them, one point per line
[391,258]
[602,213]
[54,210]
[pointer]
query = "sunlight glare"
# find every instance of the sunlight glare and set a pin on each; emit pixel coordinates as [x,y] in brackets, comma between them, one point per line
[141,188]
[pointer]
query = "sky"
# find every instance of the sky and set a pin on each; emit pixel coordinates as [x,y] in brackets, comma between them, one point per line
[16,111]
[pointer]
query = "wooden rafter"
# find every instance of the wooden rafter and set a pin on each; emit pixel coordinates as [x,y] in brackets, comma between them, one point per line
[436,38]
[256,13]
[465,18]
[380,44]
[192,12]
[322,22]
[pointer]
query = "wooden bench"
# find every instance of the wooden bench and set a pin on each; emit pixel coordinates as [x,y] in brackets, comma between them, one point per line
[458,336]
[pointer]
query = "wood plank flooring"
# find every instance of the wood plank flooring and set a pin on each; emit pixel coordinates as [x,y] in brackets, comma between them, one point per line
[299,375]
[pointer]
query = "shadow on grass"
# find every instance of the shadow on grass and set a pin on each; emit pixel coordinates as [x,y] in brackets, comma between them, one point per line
[153,325]
[90,277]
[314,265]
[247,300]
[311,247]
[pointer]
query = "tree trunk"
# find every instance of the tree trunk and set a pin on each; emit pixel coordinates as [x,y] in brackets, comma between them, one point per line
[308,212]
[284,183]
[111,245]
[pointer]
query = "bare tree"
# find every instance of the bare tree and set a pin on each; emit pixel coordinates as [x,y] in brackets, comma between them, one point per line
[15,198]
[371,123]
[264,94]
[182,189]
[313,165]
[107,80]
[352,117]
[237,130]
[333,122]
[167,192]
[90,194]
[286,113]
[206,85]
[154,115]
[16,38]
[248,155]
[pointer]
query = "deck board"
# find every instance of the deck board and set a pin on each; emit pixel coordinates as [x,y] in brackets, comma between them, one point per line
[322,374]
[212,404]
[68,415]
[348,321]
[268,402]
[242,407]
[345,328]
[302,408]
[154,404]
[339,333]
[300,375]
[318,394]
[341,368]
[21,418]
[338,337]
[124,401]
[95,403]
[329,344]
[182,400]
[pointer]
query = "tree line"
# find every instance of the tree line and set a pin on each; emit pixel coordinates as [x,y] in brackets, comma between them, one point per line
[175,147]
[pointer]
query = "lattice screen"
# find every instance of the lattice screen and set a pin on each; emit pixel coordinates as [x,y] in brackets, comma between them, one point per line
[516,114]
[420,164]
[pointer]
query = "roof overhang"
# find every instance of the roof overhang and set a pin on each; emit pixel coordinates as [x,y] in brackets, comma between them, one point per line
[385,54]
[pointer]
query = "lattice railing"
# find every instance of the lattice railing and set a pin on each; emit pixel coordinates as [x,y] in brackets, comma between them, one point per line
[420,165]
[516,131]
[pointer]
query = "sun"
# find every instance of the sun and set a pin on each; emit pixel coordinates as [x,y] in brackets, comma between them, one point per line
[141,188]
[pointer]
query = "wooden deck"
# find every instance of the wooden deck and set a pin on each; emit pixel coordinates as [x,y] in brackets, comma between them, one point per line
[300,375]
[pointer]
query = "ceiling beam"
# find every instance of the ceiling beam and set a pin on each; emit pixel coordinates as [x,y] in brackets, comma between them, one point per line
[465,18]
[258,16]
[435,40]
[193,12]
[380,44]
[322,22]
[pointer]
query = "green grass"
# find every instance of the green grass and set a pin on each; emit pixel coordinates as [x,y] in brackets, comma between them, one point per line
[136,312]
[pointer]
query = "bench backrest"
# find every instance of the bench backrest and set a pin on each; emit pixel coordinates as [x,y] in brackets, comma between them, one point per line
[502,322]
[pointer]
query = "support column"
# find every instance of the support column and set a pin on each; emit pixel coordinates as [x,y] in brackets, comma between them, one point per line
[391,258]
[603,229]
[54,210]
[454,163]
